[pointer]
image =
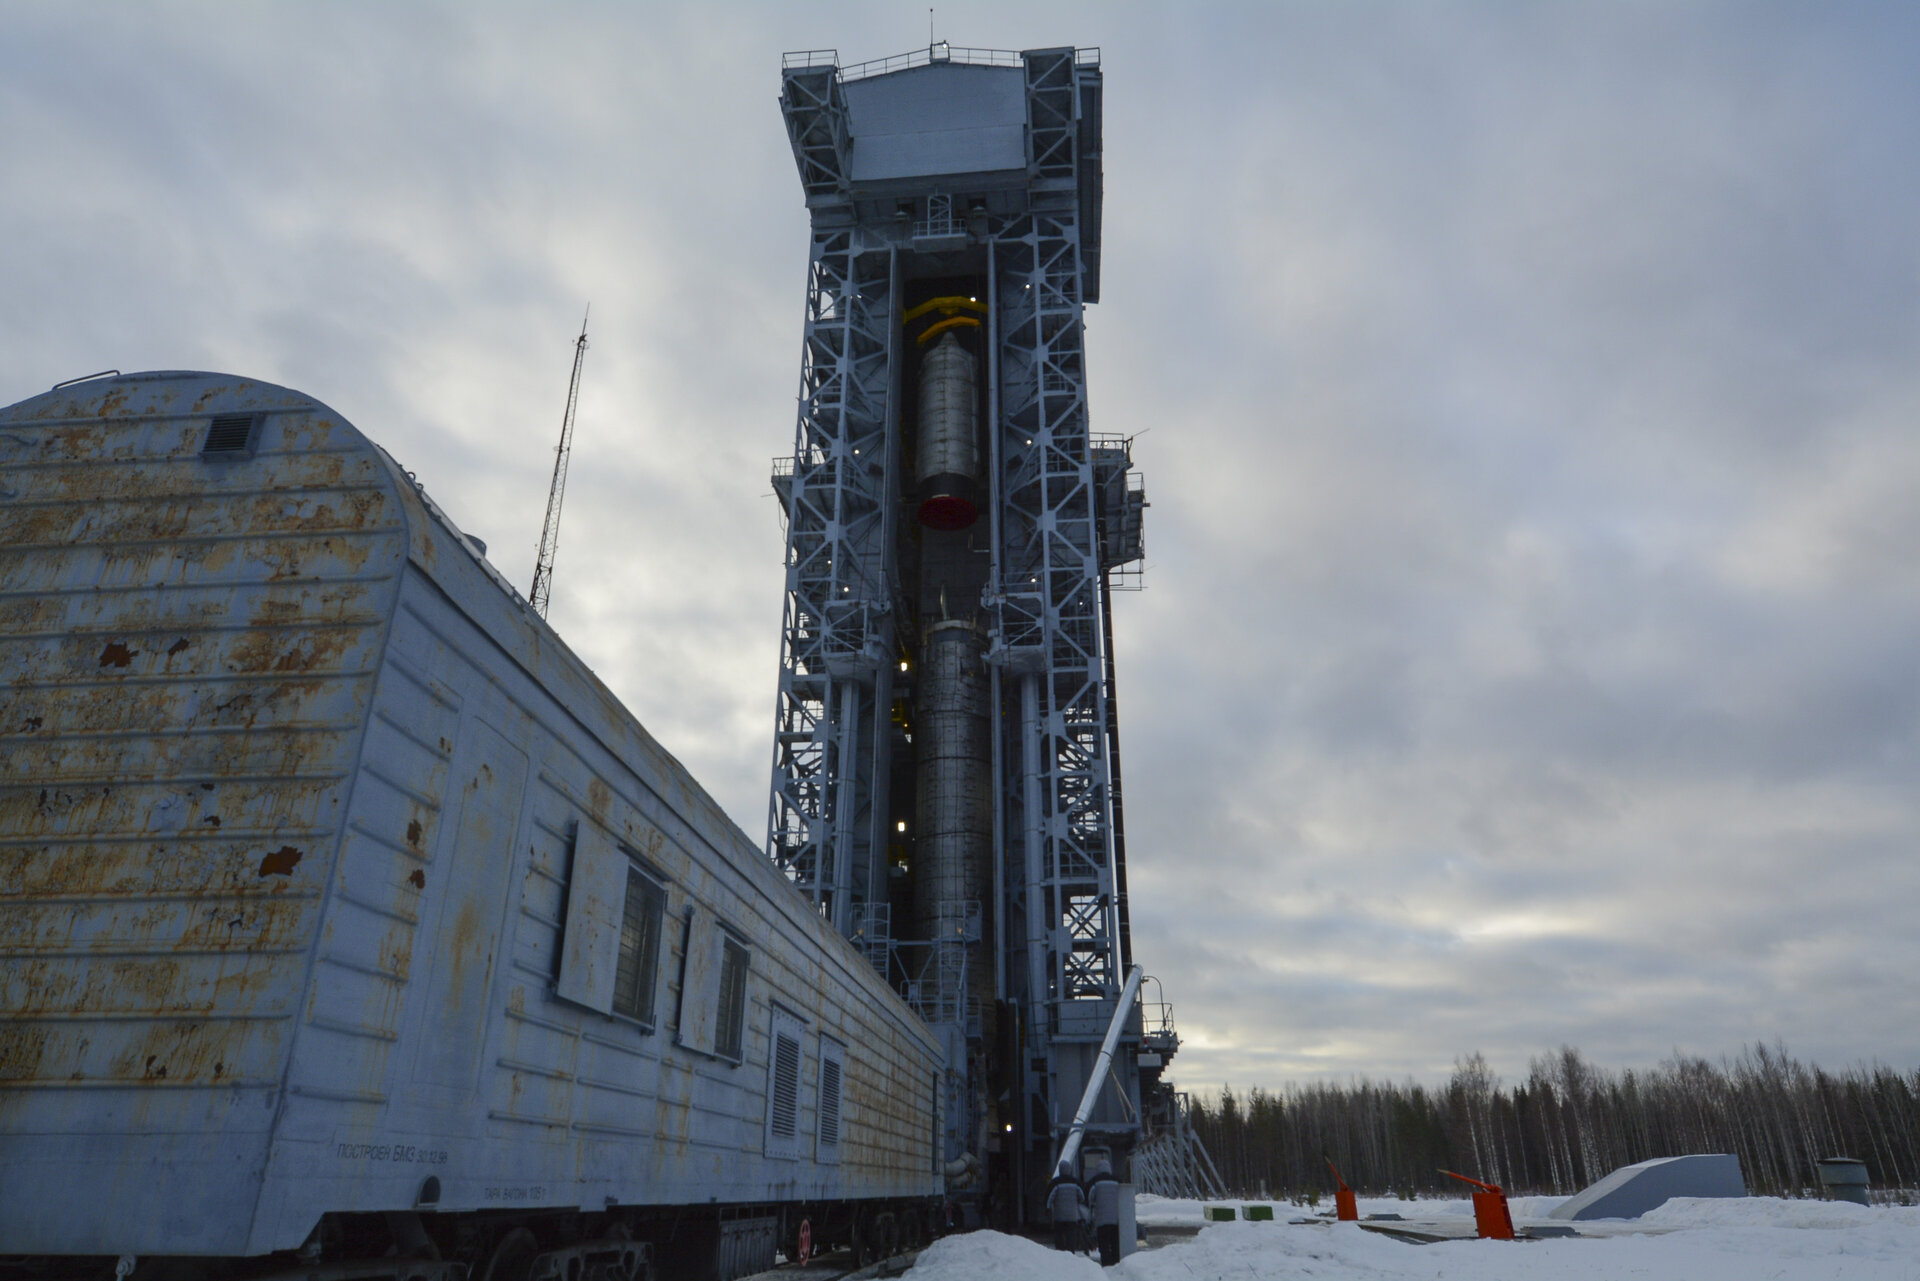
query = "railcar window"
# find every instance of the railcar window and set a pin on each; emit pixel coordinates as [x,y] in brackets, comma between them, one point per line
[634,981]
[832,1069]
[713,987]
[733,1001]
[613,931]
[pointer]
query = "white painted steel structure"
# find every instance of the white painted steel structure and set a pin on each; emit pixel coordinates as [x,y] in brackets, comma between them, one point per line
[963,184]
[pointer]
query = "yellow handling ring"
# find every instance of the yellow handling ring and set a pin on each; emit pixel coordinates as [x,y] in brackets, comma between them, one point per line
[949,323]
[951,305]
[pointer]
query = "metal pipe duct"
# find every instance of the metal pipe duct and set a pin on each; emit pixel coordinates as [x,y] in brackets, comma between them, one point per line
[1070,1150]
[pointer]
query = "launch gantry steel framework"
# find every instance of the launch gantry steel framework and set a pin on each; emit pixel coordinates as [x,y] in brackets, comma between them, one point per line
[982,168]
[838,636]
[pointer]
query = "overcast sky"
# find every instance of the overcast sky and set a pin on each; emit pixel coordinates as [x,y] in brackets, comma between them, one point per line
[1527,397]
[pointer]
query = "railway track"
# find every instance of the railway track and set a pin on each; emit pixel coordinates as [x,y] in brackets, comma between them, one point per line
[838,1265]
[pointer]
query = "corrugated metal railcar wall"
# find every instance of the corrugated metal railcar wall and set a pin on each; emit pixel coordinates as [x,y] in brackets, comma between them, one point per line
[187,648]
[509,1096]
[202,705]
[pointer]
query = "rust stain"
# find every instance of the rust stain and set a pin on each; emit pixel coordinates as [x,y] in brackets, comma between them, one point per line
[396,958]
[182,867]
[238,703]
[413,834]
[29,613]
[263,651]
[466,944]
[168,971]
[599,797]
[20,1054]
[281,862]
[417,879]
[30,724]
[178,647]
[181,1052]
[116,655]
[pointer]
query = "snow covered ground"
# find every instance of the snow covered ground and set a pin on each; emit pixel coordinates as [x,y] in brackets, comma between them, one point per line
[1690,1239]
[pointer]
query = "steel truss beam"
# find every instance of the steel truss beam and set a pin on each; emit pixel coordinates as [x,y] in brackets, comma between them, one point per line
[1048,605]
[837,633]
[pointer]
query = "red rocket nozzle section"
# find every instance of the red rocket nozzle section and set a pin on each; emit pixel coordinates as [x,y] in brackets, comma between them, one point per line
[947,512]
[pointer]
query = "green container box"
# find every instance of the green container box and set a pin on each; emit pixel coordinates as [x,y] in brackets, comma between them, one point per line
[1220,1214]
[1259,1212]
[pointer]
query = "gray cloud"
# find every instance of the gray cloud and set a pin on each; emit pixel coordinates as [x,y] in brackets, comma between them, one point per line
[1526,395]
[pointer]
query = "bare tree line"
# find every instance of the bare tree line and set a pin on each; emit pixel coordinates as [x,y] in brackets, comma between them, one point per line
[1568,1124]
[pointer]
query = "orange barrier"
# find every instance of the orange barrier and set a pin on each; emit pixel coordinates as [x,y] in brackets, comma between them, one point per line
[1491,1216]
[1347,1208]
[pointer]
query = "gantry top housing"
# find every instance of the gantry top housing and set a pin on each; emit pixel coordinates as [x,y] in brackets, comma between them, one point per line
[993,133]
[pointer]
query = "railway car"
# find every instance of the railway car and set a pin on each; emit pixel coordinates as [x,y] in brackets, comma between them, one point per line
[350,927]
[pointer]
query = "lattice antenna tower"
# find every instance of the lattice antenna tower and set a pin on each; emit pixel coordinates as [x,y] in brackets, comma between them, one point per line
[550,532]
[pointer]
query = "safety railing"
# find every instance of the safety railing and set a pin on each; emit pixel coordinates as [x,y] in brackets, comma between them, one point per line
[1156,1025]
[802,58]
[938,52]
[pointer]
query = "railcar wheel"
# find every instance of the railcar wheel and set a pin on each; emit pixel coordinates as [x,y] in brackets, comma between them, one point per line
[860,1238]
[804,1246]
[910,1233]
[886,1235]
[632,1263]
[512,1258]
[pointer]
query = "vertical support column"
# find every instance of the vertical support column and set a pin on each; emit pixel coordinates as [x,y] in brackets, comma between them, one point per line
[1049,591]
[837,626]
[1040,985]
[996,727]
[1050,638]
[847,802]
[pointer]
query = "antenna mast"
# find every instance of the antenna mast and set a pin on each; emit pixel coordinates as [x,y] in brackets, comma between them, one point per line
[550,532]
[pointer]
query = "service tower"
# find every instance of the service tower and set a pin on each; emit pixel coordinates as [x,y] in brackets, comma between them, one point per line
[946,774]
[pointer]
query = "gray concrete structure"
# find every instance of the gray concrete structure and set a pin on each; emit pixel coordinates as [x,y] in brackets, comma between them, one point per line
[1632,1190]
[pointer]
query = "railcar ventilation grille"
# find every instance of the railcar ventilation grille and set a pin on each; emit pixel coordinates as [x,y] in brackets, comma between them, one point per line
[786,1085]
[829,1102]
[230,435]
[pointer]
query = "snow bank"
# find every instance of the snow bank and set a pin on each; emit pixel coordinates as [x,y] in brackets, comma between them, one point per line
[1689,1239]
[976,1255]
[1767,1211]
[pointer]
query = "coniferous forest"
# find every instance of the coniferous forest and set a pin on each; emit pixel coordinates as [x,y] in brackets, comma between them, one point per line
[1568,1124]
